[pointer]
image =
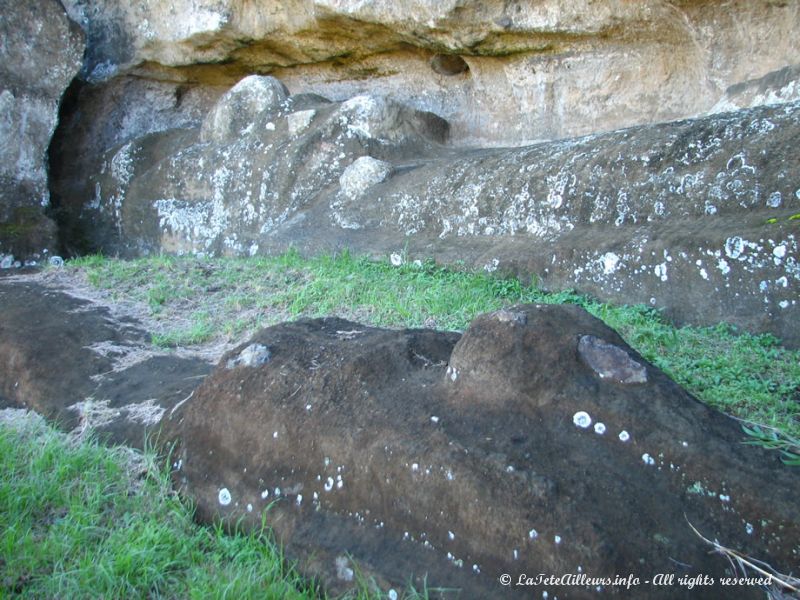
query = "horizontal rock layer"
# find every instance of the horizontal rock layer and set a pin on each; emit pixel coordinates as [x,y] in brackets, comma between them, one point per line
[528,71]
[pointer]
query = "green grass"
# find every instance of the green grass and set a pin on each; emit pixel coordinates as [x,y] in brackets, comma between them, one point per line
[199,300]
[76,523]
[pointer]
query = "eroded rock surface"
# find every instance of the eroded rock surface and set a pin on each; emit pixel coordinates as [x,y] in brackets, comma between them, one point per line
[41,52]
[501,72]
[698,217]
[417,454]
[78,365]
[258,160]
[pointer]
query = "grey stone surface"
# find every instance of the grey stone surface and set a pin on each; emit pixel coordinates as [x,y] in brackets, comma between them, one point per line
[693,216]
[41,52]
[363,174]
[240,108]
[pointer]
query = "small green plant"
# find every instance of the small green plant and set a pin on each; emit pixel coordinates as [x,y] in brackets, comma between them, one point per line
[773,439]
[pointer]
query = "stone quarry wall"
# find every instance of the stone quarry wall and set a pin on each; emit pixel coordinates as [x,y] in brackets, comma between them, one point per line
[534,71]
[699,217]
[40,53]
[174,140]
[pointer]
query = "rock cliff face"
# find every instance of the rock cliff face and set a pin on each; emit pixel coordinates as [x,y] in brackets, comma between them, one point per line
[500,71]
[41,52]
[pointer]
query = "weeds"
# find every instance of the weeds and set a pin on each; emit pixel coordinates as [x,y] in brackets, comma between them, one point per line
[773,439]
[80,519]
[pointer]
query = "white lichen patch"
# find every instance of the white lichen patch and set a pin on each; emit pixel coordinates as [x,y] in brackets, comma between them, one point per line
[734,247]
[582,419]
[452,373]
[599,428]
[609,262]
[661,271]
[299,121]
[224,497]
[196,224]
[343,571]
[624,436]
[122,164]
[648,460]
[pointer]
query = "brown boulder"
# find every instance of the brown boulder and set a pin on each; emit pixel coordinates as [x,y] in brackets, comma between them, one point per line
[536,443]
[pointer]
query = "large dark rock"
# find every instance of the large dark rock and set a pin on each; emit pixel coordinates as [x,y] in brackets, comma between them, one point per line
[695,217]
[41,52]
[76,363]
[537,442]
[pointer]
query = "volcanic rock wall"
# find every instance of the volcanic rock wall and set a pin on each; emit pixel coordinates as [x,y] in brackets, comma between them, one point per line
[527,71]
[698,217]
[40,53]
[361,141]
